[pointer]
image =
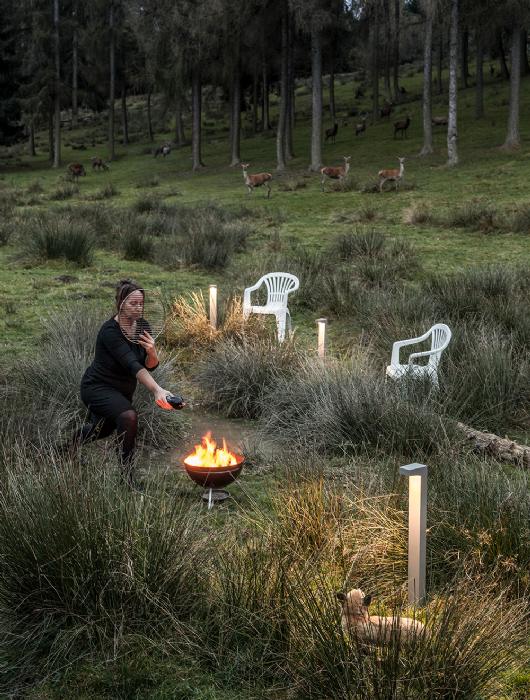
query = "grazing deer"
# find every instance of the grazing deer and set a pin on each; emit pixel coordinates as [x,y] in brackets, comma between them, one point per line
[332,133]
[163,150]
[339,173]
[386,110]
[394,175]
[99,164]
[252,181]
[76,170]
[439,121]
[360,127]
[372,629]
[402,126]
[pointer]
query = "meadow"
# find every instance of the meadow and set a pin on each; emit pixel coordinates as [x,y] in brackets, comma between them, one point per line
[110,594]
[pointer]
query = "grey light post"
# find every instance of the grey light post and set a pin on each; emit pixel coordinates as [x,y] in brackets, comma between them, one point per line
[417,476]
[213,306]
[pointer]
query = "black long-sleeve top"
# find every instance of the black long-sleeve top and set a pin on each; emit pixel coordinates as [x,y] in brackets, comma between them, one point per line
[116,361]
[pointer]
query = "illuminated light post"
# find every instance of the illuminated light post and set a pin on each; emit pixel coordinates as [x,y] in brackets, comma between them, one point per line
[213,306]
[417,476]
[322,323]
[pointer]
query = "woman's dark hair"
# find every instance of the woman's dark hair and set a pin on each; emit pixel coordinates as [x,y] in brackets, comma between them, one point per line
[124,288]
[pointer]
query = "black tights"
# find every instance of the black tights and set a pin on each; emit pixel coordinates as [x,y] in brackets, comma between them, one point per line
[126,425]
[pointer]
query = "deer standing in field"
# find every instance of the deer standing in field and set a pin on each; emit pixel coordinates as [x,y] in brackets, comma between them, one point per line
[99,164]
[394,175]
[252,181]
[386,110]
[373,629]
[164,150]
[76,170]
[360,127]
[439,121]
[402,126]
[339,173]
[332,133]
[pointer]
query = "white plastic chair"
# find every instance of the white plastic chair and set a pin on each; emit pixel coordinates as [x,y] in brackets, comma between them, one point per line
[279,286]
[440,337]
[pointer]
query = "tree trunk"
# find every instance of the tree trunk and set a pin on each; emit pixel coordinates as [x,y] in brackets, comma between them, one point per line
[374,48]
[501,448]
[316,101]
[464,66]
[235,115]
[479,88]
[196,108]
[332,109]
[149,119]
[284,95]
[124,117]
[289,121]
[31,138]
[50,133]
[513,137]
[255,99]
[388,44]
[502,58]
[525,66]
[265,114]
[440,61]
[179,127]
[112,80]
[75,69]
[452,128]
[57,88]
[397,12]
[427,82]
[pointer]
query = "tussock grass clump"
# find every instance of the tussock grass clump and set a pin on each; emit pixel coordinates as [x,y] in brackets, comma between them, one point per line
[106,192]
[292,184]
[55,374]
[188,323]
[136,245]
[99,217]
[209,242]
[237,376]
[65,190]
[35,187]
[53,237]
[349,184]
[6,231]
[331,409]
[475,214]
[418,213]
[148,181]
[86,566]
[146,203]
[361,243]
[519,218]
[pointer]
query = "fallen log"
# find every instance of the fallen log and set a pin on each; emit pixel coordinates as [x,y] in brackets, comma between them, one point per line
[501,448]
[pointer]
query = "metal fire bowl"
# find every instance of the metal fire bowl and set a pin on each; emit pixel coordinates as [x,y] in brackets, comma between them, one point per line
[214,477]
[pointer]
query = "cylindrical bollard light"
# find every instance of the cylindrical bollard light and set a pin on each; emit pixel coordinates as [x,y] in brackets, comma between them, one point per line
[321,324]
[213,306]
[417,476]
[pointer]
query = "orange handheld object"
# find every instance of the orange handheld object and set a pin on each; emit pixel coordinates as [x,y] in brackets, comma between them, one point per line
[171,402]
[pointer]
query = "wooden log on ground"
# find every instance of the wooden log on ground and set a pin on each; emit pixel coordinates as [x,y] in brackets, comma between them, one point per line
[501,448]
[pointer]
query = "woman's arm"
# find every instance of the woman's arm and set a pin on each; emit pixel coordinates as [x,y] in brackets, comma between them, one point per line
[148,343]
[158,392]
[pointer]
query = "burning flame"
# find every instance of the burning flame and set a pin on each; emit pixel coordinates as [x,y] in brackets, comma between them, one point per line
[207,454]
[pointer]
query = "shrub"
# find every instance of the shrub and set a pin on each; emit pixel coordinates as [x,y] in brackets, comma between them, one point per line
[146,203]
[66,190]
[236,377]
[331,409]
[418,213]
[51,237]
[475,214]
[99,566]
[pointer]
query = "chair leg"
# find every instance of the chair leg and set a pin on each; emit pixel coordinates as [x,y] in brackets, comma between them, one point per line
[280,322]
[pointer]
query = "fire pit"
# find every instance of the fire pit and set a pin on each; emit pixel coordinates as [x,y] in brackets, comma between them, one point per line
[212,468]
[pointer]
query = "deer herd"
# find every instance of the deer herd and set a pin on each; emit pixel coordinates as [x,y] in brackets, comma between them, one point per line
[339,173]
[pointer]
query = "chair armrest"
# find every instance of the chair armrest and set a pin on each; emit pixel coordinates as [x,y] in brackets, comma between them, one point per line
[426,353]
[402,343]
[247,292]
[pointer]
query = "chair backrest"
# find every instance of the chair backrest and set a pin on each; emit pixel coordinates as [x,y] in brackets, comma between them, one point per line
[279,285]
[440,337]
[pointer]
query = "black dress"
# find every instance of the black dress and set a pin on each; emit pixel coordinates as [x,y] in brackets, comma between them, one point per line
[108,385]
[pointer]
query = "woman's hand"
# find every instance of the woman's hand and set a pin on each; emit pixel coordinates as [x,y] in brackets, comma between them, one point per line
[147,341]
[160,398]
